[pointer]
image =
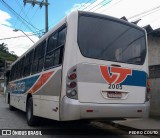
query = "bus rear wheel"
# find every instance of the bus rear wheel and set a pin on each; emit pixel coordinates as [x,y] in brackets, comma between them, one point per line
[31,119]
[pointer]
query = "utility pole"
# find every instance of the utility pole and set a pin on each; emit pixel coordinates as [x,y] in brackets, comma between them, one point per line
[40,3]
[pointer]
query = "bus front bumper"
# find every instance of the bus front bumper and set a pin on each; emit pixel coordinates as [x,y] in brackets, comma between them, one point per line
[74,110]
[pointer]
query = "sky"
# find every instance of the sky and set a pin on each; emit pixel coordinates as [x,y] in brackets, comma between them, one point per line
[31,19]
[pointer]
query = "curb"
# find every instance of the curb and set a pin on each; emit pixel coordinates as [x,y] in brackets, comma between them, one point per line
[107,126]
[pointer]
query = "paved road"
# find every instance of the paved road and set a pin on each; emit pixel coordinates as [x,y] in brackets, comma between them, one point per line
[16,120]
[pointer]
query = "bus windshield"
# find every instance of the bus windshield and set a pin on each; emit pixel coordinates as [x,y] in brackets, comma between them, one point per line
[106,39]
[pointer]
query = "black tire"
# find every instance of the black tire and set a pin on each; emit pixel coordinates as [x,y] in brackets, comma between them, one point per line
[11,108]
[31,119]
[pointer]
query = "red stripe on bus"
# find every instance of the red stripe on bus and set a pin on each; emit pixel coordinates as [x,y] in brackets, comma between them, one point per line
[41,81]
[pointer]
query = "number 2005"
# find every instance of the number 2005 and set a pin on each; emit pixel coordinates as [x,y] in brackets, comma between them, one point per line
[115,86]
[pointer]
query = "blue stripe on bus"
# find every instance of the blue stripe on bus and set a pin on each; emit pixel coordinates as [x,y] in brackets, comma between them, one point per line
[28,83]
[138,78]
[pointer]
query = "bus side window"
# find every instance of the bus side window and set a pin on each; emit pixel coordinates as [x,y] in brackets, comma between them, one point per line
[38,59]
[15,71]
[22,67]
[27,64]
[61,37]
[18,68]
[52,43]
[11,74]
[35,62]
[41,56]
[61,43]
[55,48]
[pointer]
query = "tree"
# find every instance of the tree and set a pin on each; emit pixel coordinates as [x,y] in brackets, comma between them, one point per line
[5,54]
[12,52]
[3,47]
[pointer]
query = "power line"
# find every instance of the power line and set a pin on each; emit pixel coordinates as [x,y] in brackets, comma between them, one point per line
[64,15]
[147,14]
[84,4]
[97,5]
[35,33]
[87,6]
[144,12]
[34,13]
[155,19]
[111,6]
[16,14]
[42,3]
[17,17]
[102,5]
[17,37]
[90,5]
[26,14]
[56,21]
[22,9]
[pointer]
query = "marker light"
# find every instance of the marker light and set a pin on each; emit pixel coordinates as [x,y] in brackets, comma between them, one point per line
[72,84]
[72,76]
[148,86]
[148,89]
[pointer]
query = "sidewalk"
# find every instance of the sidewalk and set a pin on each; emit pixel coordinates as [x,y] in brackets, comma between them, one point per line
[141,124]
[147,125]
[135,125]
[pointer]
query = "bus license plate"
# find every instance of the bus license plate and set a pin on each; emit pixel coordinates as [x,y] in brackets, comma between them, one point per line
[114,95]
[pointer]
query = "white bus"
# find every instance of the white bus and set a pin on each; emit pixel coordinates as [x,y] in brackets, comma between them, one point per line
[88,66]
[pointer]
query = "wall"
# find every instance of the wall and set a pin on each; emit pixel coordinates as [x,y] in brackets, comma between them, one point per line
[154,59]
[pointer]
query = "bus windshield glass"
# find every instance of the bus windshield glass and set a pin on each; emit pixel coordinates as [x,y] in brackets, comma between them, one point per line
[106,39]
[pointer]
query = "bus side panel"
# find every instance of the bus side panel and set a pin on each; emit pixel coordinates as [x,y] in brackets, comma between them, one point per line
[17,101]
[46,100]
[70,60]
[45,89]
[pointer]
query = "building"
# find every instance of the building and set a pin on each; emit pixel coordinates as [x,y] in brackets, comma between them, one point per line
[4,65]
[154,68]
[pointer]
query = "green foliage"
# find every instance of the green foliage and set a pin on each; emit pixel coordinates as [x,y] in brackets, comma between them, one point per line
[5,54]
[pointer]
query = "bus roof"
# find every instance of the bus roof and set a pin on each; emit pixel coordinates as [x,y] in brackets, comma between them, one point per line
[65,20]
[41,39]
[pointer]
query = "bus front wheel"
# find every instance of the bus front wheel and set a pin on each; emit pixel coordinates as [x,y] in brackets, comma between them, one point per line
[31,119]
[11,108]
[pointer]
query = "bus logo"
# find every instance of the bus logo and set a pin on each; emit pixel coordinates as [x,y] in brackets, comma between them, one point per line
[114,75]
